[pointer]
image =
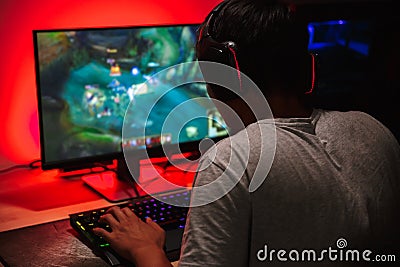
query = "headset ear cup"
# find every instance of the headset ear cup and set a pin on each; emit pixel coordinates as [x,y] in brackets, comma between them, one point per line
[208,49]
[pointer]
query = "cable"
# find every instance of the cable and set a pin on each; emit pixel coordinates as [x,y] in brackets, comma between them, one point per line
[31,165]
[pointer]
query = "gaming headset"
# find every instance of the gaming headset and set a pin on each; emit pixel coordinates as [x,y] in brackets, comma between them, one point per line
[208,49]
[211,50]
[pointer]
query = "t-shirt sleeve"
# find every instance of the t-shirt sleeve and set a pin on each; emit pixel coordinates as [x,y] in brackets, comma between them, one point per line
[217,234]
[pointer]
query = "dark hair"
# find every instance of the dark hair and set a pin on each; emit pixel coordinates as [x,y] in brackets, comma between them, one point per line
[272,43]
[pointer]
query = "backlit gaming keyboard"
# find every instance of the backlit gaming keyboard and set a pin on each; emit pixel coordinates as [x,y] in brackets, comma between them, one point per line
[170,217]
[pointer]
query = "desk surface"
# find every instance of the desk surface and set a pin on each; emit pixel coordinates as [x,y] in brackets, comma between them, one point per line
[31,197]
[34,219]
[51,244]
[43,200]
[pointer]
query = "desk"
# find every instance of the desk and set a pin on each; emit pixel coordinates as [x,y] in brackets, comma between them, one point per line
[32,197]
[51,244]
[34,221]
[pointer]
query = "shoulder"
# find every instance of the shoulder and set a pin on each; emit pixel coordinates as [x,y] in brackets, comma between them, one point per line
[357,127]
[243,144]
[349,117]
[354,120]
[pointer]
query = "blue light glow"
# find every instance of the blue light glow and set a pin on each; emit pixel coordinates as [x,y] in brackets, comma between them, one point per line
[135,71]
[325,34]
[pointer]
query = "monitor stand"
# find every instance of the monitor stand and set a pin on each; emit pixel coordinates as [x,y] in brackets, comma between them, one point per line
[118,185]
[115,186]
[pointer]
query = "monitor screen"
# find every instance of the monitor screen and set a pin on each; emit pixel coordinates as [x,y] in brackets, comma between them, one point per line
[86,79]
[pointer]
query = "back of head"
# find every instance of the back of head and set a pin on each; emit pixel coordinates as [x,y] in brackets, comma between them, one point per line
[271,42]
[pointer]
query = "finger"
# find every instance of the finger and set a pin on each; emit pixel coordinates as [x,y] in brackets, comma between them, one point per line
[118,214]
[103,233]
[154,225]
[161,232]
[129,213]
[109,219]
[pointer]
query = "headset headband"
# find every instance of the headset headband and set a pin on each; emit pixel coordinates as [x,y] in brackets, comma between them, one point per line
[208,49]
[206,26]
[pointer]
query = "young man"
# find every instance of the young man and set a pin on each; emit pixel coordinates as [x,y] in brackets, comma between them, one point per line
[335,175]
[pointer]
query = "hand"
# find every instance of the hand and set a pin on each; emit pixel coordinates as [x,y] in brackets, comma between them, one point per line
[135,240]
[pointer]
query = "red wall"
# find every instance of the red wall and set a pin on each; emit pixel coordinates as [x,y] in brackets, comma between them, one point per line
[19,135]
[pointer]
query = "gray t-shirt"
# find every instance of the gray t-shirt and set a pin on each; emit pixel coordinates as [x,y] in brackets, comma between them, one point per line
[335,176]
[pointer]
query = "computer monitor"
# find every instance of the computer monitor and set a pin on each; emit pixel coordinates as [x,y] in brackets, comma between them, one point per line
[86,79]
